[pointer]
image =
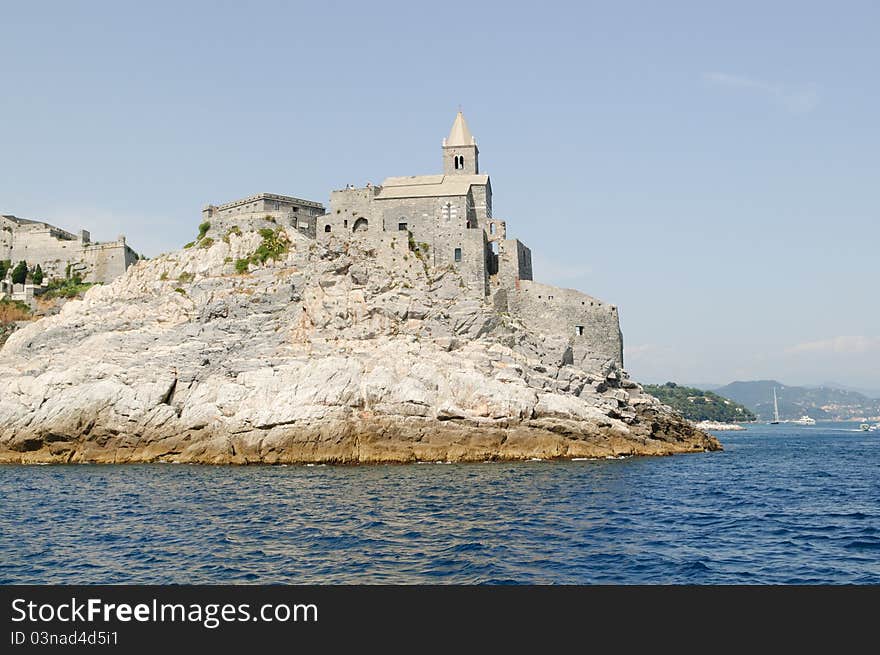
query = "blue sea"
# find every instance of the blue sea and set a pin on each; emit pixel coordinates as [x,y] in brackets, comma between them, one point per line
[781,505]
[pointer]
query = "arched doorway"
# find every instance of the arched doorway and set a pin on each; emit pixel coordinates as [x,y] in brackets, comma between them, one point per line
[360,225]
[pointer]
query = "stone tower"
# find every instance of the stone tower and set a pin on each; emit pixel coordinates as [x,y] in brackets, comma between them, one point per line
[460,152]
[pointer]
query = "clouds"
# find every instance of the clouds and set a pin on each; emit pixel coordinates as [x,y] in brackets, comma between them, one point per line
[800,100]
[845,345]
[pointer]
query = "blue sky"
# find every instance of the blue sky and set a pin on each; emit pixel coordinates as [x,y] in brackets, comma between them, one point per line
[711,168]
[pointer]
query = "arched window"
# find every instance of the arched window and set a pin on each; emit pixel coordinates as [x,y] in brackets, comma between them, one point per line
[326,228]
[360,225]
[461,162]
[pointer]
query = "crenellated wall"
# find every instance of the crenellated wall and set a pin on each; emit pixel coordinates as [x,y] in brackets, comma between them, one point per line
[59,252]
[588,327]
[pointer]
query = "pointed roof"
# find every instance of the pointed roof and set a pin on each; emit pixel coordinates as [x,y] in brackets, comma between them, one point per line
[460,135]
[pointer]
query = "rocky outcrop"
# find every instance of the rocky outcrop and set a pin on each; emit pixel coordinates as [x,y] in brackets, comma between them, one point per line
[333,353]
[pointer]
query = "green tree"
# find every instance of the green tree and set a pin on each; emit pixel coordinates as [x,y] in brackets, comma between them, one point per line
[38,275]
[19,273]
[5,265]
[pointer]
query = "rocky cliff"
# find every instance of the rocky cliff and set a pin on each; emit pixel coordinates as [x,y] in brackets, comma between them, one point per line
[329,353]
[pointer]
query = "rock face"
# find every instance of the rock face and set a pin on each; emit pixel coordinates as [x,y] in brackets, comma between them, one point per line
[329,354]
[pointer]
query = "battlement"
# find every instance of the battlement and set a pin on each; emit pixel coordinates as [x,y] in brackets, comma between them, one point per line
[287,200]
[58,251]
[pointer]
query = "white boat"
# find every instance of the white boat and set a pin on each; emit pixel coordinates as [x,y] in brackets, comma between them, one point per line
[864,427]
[805,420]
[775,420]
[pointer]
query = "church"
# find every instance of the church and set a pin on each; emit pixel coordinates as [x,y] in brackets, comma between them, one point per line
[447,219]
[450,212]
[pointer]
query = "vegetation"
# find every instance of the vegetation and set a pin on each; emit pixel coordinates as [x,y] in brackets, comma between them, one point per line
[69,288]
[19,273]
[233,230]
[180,291]
[13,310]
[5,265]
[241,266]
[699,405]
[203,230]
[186,277]
[207,242]
[38,275]
[189,245]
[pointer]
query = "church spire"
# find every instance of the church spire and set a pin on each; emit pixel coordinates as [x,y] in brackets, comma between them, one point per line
[460,135]
[460,152]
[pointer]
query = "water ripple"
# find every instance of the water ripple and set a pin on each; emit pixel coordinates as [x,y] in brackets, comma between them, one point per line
[780,507]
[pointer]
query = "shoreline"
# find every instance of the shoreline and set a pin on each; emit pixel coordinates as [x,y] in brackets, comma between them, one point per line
[379,440]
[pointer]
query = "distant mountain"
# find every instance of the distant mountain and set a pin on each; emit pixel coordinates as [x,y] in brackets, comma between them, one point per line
[698,405]
[870,393]
[821,403]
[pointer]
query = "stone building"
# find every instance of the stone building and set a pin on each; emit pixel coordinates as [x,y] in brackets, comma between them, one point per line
[448,218]
[60,253]
[263,210]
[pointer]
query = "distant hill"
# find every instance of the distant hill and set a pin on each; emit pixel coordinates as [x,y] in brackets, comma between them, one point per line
[821,403]
[699,405]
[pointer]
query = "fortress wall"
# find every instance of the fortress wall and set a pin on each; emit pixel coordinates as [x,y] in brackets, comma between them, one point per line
[105,262]
[258,212]
[559,312]
[42,246]
[347,206]
[514,262]
[6,238]
[220,224]
[472,266]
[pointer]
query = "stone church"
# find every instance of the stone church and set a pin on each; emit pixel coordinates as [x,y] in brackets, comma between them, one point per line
[448,217]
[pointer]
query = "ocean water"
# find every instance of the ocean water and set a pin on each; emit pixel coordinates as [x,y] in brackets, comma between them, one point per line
[782,504]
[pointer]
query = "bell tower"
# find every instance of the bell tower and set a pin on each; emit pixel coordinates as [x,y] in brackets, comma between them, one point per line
[460,152]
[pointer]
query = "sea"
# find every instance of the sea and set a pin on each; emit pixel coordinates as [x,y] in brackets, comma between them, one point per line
[782,504]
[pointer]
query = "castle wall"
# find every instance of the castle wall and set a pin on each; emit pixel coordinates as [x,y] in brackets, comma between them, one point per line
[589,328]
[6,238]
[471,263]
[59,252]
[44,247]
[514,262]
[261,211]
[105,262]
[350,207]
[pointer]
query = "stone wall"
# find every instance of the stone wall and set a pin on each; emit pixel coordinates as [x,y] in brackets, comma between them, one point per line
[105,262]
[586,330]
[260,211]
[514,262]
[349,207]
[59,252]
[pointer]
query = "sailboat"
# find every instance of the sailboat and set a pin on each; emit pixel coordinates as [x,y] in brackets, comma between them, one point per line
[775,420]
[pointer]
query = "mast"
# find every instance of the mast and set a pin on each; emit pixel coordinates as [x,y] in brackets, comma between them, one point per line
[775,407]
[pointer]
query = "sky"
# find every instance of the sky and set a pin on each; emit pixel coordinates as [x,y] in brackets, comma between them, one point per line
[710,168]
